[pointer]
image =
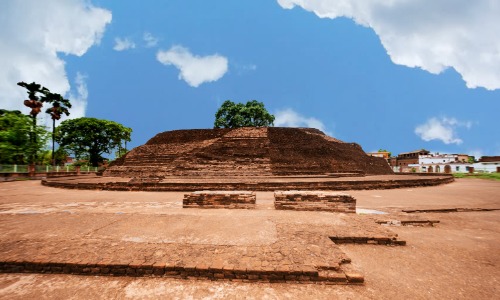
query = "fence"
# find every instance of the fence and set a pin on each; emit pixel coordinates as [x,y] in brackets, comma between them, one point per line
[44,169]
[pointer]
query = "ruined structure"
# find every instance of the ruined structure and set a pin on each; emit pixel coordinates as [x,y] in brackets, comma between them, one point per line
[245,152]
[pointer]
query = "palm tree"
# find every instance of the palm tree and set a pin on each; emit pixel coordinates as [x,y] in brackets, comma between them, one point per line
[36,105]
[59,106]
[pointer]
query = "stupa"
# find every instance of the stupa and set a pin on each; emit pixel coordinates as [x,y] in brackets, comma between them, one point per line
[249,151]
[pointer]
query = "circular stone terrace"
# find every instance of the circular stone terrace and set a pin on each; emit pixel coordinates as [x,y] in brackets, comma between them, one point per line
[254,183]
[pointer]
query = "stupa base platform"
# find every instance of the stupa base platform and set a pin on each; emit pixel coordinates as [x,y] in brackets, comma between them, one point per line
[265,183]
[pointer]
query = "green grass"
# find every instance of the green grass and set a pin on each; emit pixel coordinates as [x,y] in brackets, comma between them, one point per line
[490,176]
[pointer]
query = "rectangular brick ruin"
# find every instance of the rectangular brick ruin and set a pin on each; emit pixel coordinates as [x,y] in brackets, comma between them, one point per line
[219,199]
[314,200]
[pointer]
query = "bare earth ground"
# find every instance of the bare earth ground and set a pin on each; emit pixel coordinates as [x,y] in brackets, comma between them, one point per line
[458,258]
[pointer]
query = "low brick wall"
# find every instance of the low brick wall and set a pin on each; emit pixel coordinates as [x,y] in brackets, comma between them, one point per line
[219,199]
[210,272]
[367,240]
[292,184]
[314,200]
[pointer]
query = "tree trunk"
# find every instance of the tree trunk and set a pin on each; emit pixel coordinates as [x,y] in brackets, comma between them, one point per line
[53,135]
[33,141]
[94,158]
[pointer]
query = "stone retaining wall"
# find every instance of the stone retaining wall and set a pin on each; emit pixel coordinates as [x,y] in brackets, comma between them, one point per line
[219,199]
[314,200]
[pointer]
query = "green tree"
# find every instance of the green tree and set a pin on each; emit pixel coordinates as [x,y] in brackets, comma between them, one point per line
[91,137]
[121,152]
[60,157]
[234,115]
[17,145]
[383,150]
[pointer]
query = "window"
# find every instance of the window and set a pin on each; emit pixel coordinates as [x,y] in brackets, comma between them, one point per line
[457,168]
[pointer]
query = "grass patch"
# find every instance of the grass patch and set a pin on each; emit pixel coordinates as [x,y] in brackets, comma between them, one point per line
[490,176]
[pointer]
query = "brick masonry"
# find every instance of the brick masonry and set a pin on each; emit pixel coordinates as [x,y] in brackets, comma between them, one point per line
[249,151]
[314,200]
[367,240]
[264,184]
[219,199]
[214,271]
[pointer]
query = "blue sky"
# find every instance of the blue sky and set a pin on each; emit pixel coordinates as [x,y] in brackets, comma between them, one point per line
[422,74]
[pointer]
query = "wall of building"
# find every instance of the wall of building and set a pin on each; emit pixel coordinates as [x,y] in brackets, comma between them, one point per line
[486,166]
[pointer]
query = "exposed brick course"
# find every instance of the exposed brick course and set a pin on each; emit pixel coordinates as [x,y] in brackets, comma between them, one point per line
[263,275]
[255,184]
[219,199]
[314,200]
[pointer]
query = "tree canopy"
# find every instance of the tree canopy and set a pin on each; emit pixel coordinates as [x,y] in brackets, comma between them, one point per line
[234,115]
[383,150]
[16,145]
[91,137]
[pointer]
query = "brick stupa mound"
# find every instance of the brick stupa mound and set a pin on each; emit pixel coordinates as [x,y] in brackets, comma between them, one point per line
[245,152]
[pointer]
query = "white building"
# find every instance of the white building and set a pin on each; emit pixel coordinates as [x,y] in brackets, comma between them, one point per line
[488,164]
[442,163]
[450,163]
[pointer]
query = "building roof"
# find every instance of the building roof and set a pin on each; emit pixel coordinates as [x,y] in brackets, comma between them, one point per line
[489,159]
[416,151]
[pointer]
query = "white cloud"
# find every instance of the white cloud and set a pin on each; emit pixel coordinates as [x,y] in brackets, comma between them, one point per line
[33,33]
[244,68]
[150,40]
[443,129]
[123,44]
[477,153]
[79,99]
[290,118]
[430,34]
[194,69]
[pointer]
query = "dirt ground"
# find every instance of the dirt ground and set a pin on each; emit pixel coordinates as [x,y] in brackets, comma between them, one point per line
[458,258]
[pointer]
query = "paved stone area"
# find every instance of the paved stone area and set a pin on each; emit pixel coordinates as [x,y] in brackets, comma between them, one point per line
[457,258]
[132,238]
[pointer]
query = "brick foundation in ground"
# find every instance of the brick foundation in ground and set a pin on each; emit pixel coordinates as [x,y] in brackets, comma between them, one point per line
[219,199]
[202,271]
[314,201]
[367,240]
[250,183]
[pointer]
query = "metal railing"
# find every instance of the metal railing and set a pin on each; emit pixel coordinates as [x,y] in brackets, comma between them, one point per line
[44,169]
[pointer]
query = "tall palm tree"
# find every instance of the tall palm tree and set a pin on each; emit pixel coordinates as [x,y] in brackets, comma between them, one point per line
[36,105]
[59,106]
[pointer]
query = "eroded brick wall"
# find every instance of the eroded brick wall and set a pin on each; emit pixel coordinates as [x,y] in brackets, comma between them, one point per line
[219,199]
[314,200]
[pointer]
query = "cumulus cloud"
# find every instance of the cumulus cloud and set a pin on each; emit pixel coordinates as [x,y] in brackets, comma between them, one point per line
[32,36]
[79,98]
[430,34]
[290,118]
[150,40]
[443,129]
[123,44]
[194,69]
